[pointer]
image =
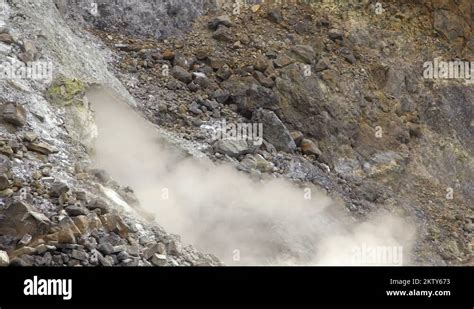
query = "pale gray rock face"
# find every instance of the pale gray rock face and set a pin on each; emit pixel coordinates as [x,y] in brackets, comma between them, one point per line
[138,18]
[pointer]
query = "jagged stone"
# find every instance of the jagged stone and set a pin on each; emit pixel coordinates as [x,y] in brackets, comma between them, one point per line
[283,60]
[114,223]
[220,20]
[5,164]
[74,211]
[4,259]
[159,248]
[99,203]
[79,255]
[14,114]
[21,218]
[174,247]
[6,38]
[310,148]
[233,148]
[159,259]
[274,131]
[29,51]
[58,188]
[181,74]
[275,16]
[41,147]
[335,34]
[4,182]
[223,34]
[304,52]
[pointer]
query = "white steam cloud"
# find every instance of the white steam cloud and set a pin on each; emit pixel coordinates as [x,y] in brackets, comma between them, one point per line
[222,211]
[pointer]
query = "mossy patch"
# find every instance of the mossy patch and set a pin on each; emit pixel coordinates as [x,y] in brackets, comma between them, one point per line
[65,91]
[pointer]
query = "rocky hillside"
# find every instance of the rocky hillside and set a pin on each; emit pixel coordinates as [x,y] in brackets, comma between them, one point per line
[338,87]
[55,208]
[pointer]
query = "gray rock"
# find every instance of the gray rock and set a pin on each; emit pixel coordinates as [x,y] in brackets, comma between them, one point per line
[24,261]
[220,20]
[310,148]
[57,260]
[159,248]
[395,82]
[14,114]
[158,259]
[322,64]
[99,203]
[274,131]
[119,248]
[6,38]
[22,218]
[257,162]
[348,55]
[25,240]
[81,195]
[5,49]
[224,73]
[233,148]
[74,211]
[335,34]
[123,255]
[41,147]
[29,51]
[407,104]
[181,74]
[48,259]
[144,18]
[79,255]
[263,80]
[4,183]
[58,188]
[283,60]
[4,260]
[275,16]
[221,95]
[175,247]
[94,258]
[44,248]
[106,261]
[222,34]
[304,52]
[106,248]
[5,164]
[194,108]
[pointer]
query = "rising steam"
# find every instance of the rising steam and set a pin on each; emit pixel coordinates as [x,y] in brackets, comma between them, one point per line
[222,211]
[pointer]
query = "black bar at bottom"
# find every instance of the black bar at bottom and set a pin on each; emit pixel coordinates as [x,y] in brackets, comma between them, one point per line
[241,285]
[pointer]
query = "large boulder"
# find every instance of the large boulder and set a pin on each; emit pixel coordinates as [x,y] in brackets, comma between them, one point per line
[274,131]
[20,218]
